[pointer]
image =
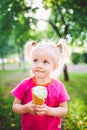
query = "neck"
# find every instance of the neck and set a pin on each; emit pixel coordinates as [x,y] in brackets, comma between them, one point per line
[41,81]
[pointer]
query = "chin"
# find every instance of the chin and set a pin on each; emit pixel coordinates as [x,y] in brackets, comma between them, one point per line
[38,76]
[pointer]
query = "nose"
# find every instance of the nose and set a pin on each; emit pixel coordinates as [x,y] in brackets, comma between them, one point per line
[39,65]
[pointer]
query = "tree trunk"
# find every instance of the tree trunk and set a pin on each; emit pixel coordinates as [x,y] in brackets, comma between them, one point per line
[66,77]
[3,64]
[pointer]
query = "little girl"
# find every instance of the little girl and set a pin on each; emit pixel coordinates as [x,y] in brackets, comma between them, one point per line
[45,59]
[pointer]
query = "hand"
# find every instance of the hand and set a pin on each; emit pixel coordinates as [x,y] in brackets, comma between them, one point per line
[41,109]
[30,108]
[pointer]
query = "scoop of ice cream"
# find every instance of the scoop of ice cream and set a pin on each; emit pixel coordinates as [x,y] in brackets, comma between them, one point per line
[39,94]
[40,91]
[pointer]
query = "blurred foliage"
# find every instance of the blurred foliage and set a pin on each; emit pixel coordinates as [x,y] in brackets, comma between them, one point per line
[17,18]
[76,119]
[67,17]
[76,57]
[85,57]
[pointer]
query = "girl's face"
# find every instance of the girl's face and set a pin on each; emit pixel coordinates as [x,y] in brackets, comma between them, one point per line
[42,63]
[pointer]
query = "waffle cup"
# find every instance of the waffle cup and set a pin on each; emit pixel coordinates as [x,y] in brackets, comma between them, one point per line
[38,100]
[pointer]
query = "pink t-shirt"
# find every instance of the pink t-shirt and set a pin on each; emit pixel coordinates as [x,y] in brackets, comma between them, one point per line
[56,94]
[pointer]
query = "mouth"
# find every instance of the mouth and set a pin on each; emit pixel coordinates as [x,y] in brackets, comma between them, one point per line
[39,71]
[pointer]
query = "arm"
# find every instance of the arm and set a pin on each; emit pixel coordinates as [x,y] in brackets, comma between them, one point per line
[59,111]
[21,109]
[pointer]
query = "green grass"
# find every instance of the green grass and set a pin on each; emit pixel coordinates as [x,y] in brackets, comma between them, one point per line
[76,119]
[8,80]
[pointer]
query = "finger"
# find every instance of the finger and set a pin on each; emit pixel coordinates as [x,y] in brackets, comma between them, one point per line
[35,112]
[39,113]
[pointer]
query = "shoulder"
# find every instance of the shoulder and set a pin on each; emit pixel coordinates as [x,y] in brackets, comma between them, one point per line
[23,84]
[56,86]
[58,83]
[61,89]
[22,87]
[26,80]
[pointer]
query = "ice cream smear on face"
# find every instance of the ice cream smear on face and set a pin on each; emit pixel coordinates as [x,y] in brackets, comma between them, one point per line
[39,94]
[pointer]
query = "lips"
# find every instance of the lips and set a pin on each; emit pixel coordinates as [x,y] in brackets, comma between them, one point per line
[39,71]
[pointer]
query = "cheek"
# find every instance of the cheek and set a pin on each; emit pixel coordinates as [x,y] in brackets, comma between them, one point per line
[49,68]
[33,65]
[33,70]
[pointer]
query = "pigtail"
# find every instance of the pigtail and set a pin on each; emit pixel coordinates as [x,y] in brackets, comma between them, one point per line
[64,51]
[27,49]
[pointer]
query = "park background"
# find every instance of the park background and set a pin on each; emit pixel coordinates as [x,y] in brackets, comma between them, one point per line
[25,20]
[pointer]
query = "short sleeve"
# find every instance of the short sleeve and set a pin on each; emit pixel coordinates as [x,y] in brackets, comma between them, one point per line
[19,90]
[64,96]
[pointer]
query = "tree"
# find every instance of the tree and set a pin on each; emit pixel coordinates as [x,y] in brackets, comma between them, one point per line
[14,22]
[67,19]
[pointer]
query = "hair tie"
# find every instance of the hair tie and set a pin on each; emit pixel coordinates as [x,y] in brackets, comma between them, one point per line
[33,43]
[60,47]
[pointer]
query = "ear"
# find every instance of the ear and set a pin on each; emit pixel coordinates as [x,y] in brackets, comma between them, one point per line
[55,67]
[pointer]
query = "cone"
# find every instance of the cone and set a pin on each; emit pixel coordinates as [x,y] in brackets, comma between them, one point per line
[37,100]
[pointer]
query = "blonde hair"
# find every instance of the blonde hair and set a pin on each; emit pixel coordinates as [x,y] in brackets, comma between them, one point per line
[27,49]
[60,51]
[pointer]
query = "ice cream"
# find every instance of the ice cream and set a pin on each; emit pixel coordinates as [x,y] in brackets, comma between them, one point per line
[39,94]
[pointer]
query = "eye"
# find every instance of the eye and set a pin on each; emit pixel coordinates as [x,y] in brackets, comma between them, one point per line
[35,60]
[46,62]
